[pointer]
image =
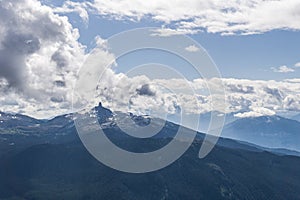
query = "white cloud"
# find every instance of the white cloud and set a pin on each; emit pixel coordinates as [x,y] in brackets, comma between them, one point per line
[166,32]
[214,16]
[192,48]
[282,69]
[297,64]
[249,98]
[256,112]
[76,7]
[39,58]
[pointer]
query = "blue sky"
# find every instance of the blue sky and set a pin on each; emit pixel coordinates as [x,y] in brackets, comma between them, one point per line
[237,56]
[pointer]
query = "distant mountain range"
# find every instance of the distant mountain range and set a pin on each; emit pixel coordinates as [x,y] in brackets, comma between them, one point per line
[44,159]
[267,131]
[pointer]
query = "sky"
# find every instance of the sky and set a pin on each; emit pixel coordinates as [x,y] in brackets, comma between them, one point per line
[254,56]
[254,44]
[237,56]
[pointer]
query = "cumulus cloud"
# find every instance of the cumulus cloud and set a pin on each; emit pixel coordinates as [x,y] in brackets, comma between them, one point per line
[214,16]
[282,69]
[272,95]
[192,48]
[145,90]
[138,95]
[297,64]
[246,89]
[39,57]
[247,98]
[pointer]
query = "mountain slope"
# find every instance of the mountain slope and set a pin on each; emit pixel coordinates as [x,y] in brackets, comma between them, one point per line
[50,162]
[67,171]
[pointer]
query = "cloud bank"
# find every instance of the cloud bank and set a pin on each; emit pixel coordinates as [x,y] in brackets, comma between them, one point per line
[246,98]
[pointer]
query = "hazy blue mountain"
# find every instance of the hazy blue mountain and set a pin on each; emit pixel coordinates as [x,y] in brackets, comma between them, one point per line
[205,118]
[267,131]
[296,117]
